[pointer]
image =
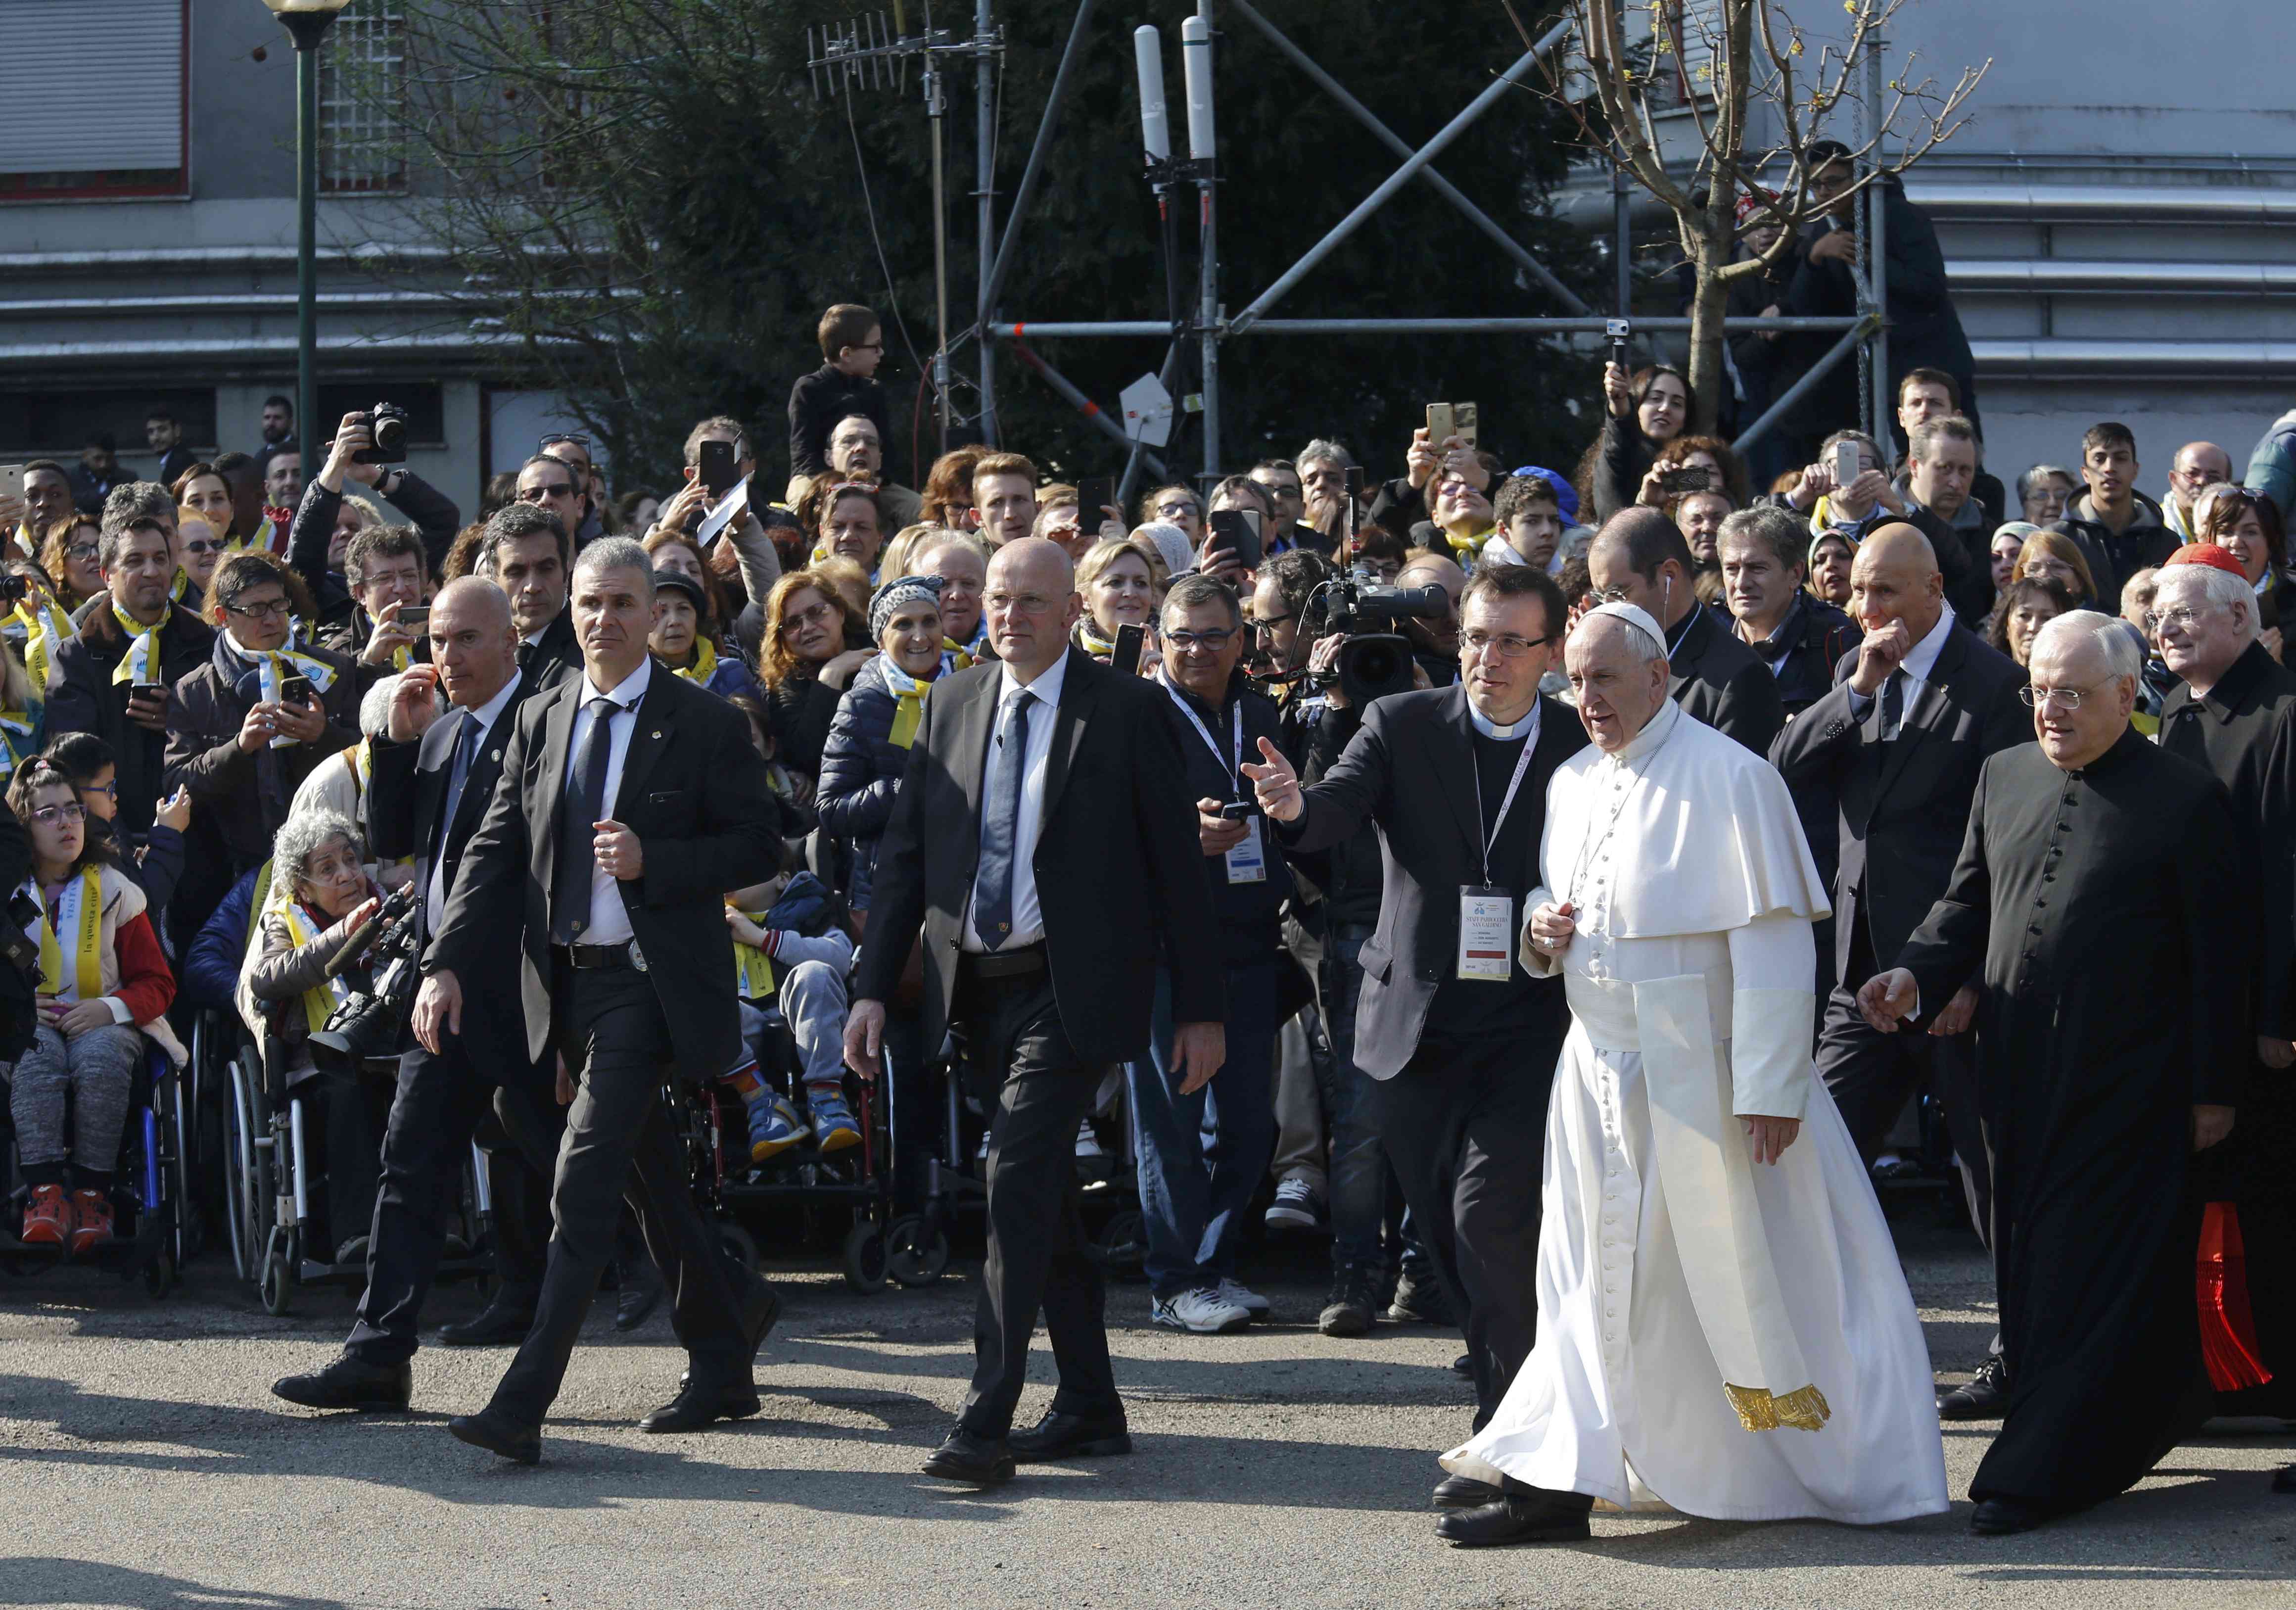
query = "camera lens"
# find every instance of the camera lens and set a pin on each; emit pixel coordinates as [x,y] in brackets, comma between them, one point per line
[389,432]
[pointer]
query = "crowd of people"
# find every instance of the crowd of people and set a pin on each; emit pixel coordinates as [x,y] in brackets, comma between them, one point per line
[1220,906]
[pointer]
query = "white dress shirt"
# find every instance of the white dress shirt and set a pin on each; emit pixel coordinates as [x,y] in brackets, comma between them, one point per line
[1917,665]
[610,919]
[1028,915]
[485,716]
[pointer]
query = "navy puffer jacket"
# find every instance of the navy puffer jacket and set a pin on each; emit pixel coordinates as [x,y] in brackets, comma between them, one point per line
[861,769]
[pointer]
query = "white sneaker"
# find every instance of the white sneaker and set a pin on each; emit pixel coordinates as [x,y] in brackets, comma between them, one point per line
[1251,1301]
[1202,1310]
[1088,1145]
[1296,1207]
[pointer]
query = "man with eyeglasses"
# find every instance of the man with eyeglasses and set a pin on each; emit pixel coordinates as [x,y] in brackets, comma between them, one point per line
[1450,1024]
[1639,557]
[1913,714]
[312,545]
[94,686]
[2102,907]
[574,453]
[1041,842]
[2234,715]
[857,453]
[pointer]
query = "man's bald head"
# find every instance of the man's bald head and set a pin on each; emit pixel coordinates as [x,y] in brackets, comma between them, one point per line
[1433,568]
[1894,576]
[1031,603]
[473,641]
[476,595]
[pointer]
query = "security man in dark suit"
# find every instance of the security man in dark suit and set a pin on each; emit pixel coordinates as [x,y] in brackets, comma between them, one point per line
[1917,710]
[629,800]
[1045,844]
[431,782]
[1640,558]
[527,552]
[1462,1041]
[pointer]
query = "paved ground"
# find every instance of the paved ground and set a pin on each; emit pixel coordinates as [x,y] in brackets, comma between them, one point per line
[142,1463]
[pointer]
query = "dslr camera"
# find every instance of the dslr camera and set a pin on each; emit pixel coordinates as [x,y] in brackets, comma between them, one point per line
[14,588]
[1375,661]
[388,423]
[373,1023]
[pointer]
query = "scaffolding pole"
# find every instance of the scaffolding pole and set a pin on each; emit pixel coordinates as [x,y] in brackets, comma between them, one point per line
[1125,329]
[1877,244]
[985,197]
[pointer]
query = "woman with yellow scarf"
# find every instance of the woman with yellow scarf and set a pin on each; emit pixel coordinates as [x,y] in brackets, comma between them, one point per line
[684,636]
[876,722]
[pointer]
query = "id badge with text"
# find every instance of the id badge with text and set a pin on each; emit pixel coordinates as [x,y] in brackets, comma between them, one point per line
[1247,858]
[1486,934]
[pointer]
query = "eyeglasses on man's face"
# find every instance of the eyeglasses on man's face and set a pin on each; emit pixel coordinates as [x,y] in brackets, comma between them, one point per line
[1209,642]
[1018,604]
[1506,645]
[2182,619]
[2066,699]
[557,489]
[268,608]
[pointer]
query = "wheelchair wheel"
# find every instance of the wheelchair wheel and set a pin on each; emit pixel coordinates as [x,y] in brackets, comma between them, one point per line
[914,1253]
[240,1182]
[278,1281]
[737,1243]
[865,1257]
[159,1273]
[1123,1247]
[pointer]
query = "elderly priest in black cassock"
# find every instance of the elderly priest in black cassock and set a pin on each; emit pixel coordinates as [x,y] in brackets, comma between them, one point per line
[2090,903]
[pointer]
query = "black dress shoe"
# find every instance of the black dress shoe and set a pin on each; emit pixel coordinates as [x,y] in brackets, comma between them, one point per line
[1984,1396]
[640,1293]
[1067,1436]
[982,1461]
[761,1306]
[495,1431]
[2000,1517]
[1464,1365]
[1465,1492]
[1512,1521]
[2283,1480]
[498,1326]
[698,1407]
[351,1382]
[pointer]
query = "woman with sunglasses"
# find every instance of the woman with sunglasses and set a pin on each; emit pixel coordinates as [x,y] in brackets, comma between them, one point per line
[101,973]
[200,544]
[805,665]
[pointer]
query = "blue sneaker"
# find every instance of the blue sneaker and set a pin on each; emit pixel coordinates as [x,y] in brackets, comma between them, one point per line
[775,1128]
[832,1120]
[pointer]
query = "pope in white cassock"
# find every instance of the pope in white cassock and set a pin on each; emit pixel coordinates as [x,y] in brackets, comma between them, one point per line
[1723,1326]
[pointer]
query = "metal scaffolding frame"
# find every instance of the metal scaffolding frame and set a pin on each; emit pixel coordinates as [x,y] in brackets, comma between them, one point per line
[1862,336]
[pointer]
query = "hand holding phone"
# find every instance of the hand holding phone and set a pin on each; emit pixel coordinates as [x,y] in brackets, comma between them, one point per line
[716,468]
[1685,478]
[1442,424]
[1126,656]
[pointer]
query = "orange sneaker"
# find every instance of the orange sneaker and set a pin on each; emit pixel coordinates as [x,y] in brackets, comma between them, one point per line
[48,1217]
[91,1221]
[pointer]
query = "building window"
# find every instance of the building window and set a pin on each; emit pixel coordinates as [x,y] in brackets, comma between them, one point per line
[362,73]
[96,99]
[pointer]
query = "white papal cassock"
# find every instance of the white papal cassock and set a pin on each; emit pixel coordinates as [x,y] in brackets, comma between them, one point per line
[1687,1295]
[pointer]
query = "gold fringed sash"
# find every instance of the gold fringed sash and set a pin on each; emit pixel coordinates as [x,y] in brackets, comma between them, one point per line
[1805,1409]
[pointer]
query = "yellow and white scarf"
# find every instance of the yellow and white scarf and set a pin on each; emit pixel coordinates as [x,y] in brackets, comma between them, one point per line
[46,629]
[753,969]
[319,1003]
[79,907]
[705,663]
[275,665]
[909,698]
[141,663]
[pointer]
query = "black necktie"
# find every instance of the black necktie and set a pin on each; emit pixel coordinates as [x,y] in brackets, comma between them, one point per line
[458,773]
[526,657]
[585,805]
[1893,705]
[992,892]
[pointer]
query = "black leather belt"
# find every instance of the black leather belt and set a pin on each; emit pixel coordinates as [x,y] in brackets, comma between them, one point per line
[585,958]
[1025,962]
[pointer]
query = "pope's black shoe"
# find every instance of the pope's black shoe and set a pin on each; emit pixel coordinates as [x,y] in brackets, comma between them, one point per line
[502,1325]
[1067,1436]
[1464,1492]
[640,1293]
[697,1407]
[1984,1396]
[1512,1520]
[350,1383]
[967,1458]
[498,1434]
[2000,1517]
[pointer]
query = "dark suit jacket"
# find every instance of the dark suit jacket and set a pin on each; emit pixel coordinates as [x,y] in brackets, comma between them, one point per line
[1119,871]
[1904,805]
[1718,679]
[406,792]
[693,790]
[555,656]
[1410,769]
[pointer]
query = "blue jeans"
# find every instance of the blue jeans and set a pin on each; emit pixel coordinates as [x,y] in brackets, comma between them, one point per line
[1201,1155]
[1358,1188]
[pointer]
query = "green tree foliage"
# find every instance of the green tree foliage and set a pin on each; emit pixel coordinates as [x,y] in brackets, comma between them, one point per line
[649,197]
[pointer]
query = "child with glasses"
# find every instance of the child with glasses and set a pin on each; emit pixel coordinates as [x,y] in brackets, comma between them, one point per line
[157,862]
[101,973]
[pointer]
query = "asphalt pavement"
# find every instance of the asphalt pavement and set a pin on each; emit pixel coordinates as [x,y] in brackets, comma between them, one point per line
[143,1462]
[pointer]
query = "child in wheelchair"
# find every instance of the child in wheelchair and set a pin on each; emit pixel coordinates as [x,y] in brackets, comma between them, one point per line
[102,975]
[305,953]
[790,957]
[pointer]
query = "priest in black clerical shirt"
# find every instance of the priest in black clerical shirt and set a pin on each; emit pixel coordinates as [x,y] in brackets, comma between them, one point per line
[2091,905]
[2235,715]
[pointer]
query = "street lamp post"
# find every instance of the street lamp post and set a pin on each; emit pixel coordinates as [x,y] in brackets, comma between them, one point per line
[307,22]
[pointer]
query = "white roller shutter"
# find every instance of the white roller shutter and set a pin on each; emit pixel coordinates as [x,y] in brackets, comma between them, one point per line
[93,86]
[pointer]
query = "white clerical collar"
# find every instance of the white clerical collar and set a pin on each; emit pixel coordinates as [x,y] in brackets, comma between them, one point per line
[1527,727]
[1654,733]
[627,692]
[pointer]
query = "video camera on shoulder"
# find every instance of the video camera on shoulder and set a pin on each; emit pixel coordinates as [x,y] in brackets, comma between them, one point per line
[388,425]
[1375,661]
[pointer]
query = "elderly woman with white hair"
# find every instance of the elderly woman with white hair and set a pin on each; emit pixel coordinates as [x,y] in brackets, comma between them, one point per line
[313,926]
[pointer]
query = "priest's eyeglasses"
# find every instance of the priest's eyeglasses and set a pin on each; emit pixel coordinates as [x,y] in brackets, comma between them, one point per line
[2067,699]
[1506,645]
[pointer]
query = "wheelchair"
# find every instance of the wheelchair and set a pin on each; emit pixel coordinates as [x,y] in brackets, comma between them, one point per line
[272,1191]
[150,1188]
